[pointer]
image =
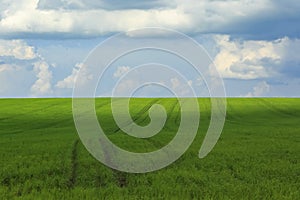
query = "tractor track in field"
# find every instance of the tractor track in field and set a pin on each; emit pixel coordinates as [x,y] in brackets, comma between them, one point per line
[74,165]
[103,104]
[156,143]
[169,113]
[172,111]
[145,117]
[5,118]
[43,109]
[120,177]
[12,133]
[142,111]
[178,114]
[274,108]
[32,111]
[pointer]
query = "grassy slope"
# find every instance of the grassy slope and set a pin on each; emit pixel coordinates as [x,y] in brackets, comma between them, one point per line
[257,155]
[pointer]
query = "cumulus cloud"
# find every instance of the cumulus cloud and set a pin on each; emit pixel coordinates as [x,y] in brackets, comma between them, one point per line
[78,18]
[121,71]
[24,18]
[17,49]
[252,59]
[260,89]
[102,4]
[42,86]
[8,67]
[69,81]
[182,89]
[125,88]
[19,66]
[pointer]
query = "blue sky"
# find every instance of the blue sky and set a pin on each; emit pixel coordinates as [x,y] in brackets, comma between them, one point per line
[254,44]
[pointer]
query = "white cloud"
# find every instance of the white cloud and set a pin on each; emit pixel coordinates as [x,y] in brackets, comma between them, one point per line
[121,71]
[20,50]
[259,90]
[251,59]
[69,81]
[8,67]
[20,65]
[17,49]
[26,18]
[125,87]
[103,4]
[180,88]
[42,86]
[21,17]
[175,83]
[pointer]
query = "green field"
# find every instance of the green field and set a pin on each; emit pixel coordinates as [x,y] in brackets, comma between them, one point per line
[257,156]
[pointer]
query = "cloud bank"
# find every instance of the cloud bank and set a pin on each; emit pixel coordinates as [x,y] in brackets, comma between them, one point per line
[81,19]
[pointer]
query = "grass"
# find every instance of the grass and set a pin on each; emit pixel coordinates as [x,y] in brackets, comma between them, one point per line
[257,156]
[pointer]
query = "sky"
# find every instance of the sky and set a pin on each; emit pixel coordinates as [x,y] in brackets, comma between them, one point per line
[254,44]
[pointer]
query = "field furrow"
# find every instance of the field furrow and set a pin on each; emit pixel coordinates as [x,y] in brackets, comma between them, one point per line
[74,163]
[140,114]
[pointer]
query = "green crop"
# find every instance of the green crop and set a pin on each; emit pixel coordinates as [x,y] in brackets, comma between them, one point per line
[257,156]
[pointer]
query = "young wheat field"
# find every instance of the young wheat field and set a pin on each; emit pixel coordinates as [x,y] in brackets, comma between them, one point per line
[256,157]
